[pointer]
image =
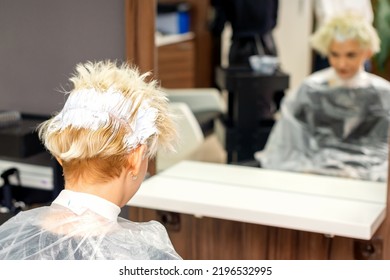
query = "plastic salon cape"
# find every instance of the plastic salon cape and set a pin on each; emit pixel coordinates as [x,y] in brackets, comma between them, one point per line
[82,226]
[333,127]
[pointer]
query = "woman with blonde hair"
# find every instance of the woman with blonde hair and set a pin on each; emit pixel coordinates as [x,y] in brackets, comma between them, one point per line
[336,123]
[112,122]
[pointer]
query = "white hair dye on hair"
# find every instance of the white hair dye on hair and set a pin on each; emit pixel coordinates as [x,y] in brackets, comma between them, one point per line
[91,109]
[346,26]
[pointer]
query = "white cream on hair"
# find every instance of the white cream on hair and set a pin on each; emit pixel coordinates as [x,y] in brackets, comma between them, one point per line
[91,109]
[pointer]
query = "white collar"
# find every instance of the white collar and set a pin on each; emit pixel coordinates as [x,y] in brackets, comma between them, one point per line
[79,202]
[361,79]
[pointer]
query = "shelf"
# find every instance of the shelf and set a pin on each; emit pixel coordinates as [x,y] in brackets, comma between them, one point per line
[163,40]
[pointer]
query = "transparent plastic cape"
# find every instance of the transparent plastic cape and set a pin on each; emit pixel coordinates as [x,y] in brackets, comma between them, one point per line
[56,233]
[339,131]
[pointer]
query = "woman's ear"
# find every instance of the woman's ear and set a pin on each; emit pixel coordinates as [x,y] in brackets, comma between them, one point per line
[136,158]
[368,54]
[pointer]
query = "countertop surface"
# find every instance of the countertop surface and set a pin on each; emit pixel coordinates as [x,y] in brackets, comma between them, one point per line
[314,203]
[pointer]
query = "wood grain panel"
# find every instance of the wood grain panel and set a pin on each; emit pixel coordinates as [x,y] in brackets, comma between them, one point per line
[383,233]
[312,246]
[216,239]
[176,65]
[140,18]
[255,242]
[219,239]
[199,21]
[140,33]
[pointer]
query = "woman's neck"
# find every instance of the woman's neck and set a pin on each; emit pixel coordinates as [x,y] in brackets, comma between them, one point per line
[360,79]
[111,190]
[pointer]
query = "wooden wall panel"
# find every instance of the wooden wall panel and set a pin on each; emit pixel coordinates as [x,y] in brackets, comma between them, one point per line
[200,17]
[140,18]
[140,33]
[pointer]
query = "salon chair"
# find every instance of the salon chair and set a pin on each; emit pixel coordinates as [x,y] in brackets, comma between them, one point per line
[206,104]
[190,137]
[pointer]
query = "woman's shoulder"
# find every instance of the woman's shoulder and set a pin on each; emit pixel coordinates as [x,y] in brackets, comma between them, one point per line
[152,239]
[379,82]
[315,81]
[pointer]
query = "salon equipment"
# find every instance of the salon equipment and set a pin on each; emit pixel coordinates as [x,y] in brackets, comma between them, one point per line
[190,137]
[206,104]
[252,102]
[18,137]
[21,156]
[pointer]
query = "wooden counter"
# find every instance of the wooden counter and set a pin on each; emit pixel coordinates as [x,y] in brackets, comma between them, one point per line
[236,212]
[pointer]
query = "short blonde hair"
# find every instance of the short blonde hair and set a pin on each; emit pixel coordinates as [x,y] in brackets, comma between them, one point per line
[343,27]
[103,150]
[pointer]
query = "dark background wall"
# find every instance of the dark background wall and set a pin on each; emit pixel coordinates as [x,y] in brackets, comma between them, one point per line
[42,40]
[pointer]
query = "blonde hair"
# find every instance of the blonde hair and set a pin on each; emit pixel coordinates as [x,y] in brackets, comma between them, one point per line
[344,27]
[100,152]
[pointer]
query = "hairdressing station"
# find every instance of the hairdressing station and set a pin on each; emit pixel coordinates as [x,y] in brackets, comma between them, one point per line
[216,211]
[213,211]
[315,203]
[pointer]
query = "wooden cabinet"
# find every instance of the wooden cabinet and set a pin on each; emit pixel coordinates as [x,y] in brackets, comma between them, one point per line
[202,64]
[176,64]
[216,239]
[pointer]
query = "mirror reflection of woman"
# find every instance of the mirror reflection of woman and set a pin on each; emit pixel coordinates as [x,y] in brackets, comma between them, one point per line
[336,123]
